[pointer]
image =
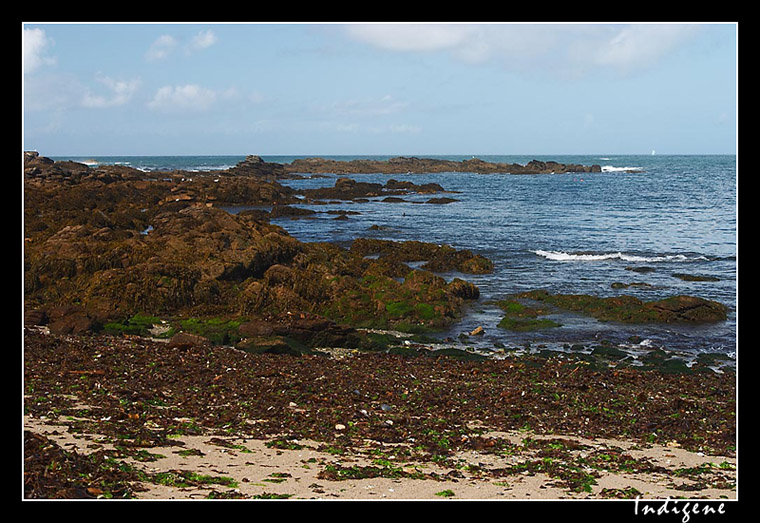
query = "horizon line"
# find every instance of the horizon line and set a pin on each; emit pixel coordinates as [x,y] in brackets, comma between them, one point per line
[408,155]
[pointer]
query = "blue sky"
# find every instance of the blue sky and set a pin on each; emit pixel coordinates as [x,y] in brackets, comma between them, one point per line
[396,89]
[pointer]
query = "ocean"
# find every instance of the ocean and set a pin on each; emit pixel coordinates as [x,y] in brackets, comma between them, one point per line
[643,220]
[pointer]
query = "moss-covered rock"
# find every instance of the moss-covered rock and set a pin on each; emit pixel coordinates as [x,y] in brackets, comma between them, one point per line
[629,309]
[522,318]
[437,258]
[105,245]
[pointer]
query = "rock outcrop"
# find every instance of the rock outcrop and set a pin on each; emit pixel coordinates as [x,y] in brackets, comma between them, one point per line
[104,246]
[407,165]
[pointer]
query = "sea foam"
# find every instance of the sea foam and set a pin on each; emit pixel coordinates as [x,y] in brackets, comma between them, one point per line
[613,169]
[583,256]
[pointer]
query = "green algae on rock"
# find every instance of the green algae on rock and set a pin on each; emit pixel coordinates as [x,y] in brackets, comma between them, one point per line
[185,260]
[519,317]
[629,309]
[437,258]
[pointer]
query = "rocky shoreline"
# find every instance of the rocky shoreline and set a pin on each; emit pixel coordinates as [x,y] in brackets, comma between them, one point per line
[126,263]
[107,243]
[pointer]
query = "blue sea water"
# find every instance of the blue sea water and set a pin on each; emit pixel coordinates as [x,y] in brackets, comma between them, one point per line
[566,233]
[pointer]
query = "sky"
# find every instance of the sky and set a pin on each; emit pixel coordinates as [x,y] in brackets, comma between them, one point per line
[101,89]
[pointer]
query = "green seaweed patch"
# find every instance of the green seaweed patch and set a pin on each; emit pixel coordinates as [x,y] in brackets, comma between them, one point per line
[137,325]
[422,302]
[609,352]
[184,479]
[629,309]
[620,493]
[374,341]
[270,495]
[217,330]
[521,318]
[384,470]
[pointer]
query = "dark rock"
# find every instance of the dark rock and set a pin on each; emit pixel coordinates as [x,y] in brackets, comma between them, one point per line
[255,166]
[187,340]
[694,277]
[275,345]
[441,201]
[640,269]
[406,165]
[280,211]
[640,285]
[463,289]
[438,258]
[70,320]
[35,317]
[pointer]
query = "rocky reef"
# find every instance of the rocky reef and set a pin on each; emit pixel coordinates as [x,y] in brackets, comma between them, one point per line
[116,248]
[350,189]
[403,165]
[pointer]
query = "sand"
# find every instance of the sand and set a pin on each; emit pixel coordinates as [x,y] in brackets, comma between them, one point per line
[261,471]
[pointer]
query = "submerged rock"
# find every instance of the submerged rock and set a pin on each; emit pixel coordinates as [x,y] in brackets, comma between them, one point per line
[629,309]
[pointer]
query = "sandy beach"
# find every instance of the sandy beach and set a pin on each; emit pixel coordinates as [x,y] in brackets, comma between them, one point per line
[84,403]
[258,471]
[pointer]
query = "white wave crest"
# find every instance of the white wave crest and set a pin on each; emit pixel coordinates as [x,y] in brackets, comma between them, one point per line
[567,256]
[613,169]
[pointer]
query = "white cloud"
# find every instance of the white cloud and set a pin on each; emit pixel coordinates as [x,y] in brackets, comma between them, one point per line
[183,99]
[203,40]
[161,48]
[166,45]
[120,93]
[34,44]
[409,37]
[637,46]
[562,48]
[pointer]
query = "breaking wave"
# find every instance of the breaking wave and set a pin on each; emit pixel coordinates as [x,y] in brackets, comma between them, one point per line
[586,256]
[612,169]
